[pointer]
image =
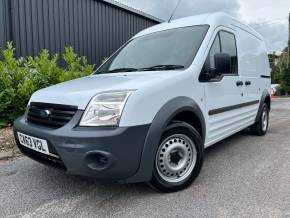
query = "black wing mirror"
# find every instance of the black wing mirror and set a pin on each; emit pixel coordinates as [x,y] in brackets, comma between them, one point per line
[222,63]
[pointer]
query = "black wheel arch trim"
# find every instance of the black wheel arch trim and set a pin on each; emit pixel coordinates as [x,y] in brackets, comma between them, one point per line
[159,124]
[265,95]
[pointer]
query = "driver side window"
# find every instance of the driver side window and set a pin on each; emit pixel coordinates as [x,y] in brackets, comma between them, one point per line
[225,43]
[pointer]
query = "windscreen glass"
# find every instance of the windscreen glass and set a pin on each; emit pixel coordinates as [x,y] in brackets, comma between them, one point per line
[173,48]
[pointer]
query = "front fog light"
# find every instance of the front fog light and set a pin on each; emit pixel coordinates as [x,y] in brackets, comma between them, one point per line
[105,109]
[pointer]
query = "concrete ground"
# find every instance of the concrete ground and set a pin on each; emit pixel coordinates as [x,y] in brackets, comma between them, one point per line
[243,176]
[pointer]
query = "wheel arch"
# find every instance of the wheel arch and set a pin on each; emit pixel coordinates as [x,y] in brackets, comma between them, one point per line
[179,107]
[191,118]
[264,99]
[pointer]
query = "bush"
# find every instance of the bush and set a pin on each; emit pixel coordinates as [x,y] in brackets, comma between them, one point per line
[21,77]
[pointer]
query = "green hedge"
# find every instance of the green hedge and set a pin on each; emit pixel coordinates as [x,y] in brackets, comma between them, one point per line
[20,77]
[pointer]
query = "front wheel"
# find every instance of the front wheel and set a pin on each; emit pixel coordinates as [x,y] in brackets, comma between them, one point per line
[179,158]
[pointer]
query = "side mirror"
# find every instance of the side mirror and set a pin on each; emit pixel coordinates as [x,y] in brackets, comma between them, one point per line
[222,63]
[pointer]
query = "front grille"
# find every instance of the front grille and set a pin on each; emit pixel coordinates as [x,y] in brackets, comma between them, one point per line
[51,115]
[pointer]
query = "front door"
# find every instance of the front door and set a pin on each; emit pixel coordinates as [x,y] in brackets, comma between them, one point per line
[224,93]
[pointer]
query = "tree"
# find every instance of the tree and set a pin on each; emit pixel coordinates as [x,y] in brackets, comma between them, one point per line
[275,72]
[285,71]
[285,78]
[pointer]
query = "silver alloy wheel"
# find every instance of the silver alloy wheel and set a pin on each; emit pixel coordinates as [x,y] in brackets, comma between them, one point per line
[264,119]
[176,158]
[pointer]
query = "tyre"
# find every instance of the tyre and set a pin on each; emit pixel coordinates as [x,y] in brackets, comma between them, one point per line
[261,127]
[178,159]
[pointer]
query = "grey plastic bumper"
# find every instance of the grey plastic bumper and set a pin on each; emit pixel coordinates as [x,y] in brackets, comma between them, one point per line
[107,152]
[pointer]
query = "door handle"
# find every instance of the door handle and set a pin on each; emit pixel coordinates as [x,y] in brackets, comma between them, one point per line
[247,83]
[239,83]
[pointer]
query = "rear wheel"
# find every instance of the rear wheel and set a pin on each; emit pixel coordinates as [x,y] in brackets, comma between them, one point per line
[261,127]
[178,159]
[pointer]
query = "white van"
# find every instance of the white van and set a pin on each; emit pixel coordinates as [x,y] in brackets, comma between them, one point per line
[148,112]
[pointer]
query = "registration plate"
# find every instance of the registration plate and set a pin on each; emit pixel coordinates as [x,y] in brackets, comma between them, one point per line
[33,143]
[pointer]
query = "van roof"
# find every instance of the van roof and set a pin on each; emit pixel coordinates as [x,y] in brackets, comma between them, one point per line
[213,19]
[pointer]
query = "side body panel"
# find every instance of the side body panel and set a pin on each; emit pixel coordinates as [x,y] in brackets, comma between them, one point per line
[240,103]
[253,68]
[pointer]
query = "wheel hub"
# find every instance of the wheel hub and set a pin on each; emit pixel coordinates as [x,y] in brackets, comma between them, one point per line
[176,158]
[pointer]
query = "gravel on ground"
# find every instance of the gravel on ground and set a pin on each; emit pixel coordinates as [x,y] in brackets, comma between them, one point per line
[8,148]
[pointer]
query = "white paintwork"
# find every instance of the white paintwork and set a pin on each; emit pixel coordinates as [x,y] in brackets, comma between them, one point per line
[154,89]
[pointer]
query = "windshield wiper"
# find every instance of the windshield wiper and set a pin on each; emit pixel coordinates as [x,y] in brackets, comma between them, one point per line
[117,70]
[163,67]
[156,67]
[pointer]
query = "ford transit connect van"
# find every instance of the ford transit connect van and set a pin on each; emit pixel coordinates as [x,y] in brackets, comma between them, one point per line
[148,112]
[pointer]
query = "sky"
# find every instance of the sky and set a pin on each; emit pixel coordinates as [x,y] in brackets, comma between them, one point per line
[268,17]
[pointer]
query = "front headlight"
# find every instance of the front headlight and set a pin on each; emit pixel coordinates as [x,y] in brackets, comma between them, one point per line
[105,109]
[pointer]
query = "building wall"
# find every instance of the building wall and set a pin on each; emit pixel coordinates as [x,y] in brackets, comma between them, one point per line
[4,23]
[94,28]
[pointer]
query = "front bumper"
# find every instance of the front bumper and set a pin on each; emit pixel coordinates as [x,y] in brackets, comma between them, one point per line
[102,152]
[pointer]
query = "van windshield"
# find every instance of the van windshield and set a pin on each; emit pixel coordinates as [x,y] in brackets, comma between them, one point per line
[164,50]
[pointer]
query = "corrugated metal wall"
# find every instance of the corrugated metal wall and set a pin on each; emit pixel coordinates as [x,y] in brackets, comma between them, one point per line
[94,28]
[4,22]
